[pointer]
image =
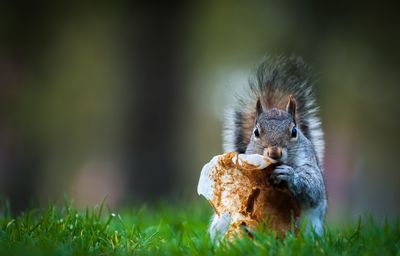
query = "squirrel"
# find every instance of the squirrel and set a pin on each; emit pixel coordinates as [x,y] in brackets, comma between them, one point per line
[279,120]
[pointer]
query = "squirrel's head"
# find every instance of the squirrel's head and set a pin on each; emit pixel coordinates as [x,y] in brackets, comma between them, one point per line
[275,130]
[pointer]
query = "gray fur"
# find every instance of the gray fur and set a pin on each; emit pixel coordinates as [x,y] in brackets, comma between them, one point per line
[275,80]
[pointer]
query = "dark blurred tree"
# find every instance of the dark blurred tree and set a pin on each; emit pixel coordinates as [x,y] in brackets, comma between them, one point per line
[155,67]
[23,36]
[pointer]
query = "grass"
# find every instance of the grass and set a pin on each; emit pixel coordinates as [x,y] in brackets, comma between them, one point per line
[173,229]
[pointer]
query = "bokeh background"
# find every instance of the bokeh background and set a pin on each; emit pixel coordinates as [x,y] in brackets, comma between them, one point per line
[127,100]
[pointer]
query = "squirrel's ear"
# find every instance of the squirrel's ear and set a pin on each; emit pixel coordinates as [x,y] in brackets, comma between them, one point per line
[259,108]
[291,107]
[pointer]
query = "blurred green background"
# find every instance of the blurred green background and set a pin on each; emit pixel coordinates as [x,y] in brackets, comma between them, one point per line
[127,100]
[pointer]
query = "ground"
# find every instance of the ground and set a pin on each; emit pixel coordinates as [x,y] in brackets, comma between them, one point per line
[173,229]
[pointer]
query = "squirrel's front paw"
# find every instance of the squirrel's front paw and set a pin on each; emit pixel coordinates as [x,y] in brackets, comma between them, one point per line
[282,173]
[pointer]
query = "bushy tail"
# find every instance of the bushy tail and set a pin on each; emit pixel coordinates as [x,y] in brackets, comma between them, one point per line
[274,80]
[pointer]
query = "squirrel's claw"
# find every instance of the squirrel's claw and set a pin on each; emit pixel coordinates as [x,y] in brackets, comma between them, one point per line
[282,173]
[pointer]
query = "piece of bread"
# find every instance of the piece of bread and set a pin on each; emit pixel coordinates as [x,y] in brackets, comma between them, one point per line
[238,185]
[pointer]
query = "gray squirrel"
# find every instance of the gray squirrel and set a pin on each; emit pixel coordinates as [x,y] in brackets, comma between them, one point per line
[279,119]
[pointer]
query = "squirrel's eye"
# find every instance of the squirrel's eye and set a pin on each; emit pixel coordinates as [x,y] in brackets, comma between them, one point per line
[294,132]
[256,132]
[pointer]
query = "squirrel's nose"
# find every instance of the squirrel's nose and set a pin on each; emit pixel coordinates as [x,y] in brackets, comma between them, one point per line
[274,152]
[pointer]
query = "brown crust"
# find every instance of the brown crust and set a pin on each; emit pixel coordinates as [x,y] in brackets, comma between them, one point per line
[245,192]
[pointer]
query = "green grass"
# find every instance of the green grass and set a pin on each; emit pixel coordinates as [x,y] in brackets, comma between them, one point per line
[173,229]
